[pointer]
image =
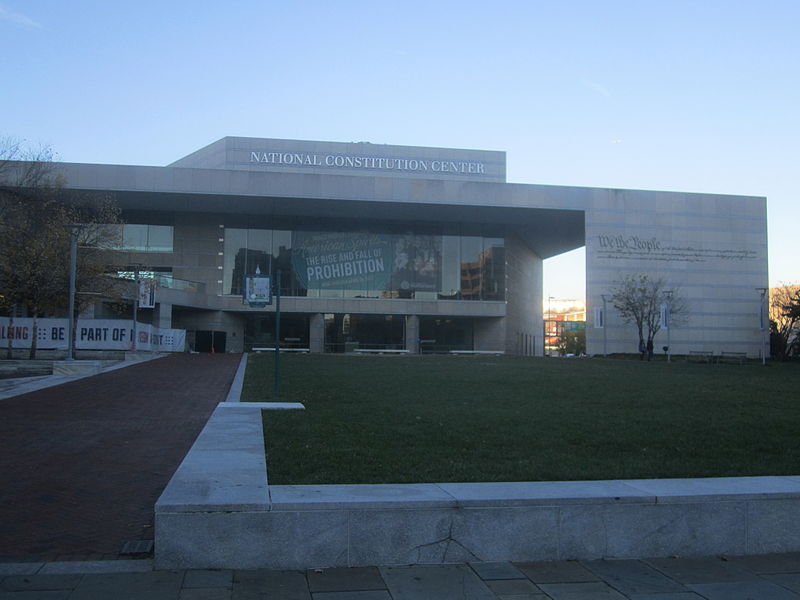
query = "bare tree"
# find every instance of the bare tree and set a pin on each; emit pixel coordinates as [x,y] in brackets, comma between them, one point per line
[37,215]
[784,320]
[638,300]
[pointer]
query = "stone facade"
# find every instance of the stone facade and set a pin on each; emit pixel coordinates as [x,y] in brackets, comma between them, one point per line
[710,249]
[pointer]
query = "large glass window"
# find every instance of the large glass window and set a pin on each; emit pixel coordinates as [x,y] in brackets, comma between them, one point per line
[146,238]
[451,267]
[398,262]
[283,259]
[235,257]
[259,331]
[346,332]
[493,266]
[134,237]
[159,238]
[443,335]
[471,267]
[259,251]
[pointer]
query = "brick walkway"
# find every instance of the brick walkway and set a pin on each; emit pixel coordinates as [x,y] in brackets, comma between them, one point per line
[82,464]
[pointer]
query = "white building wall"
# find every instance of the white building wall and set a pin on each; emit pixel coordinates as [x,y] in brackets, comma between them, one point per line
[709,249]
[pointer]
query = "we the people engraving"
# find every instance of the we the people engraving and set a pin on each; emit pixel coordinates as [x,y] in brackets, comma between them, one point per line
[633,247]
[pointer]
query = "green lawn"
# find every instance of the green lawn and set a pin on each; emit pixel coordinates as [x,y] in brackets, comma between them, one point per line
[403,419]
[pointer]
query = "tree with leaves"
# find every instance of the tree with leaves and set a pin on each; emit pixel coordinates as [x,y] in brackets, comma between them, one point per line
[784,321]
[792,311]
[638,300]
[37,217]
[572,342]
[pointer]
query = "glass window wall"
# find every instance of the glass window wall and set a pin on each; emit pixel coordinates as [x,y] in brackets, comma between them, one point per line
[347,333]
[146,238]
[259,331]
[444,335]
[397,262]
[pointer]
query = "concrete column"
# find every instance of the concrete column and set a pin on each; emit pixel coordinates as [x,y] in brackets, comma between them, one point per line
[162,315]
[524,281]
[412,334]
[316,333]
[490,334]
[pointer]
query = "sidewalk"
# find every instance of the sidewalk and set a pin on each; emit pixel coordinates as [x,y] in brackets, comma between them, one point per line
[82,463]
[770,577]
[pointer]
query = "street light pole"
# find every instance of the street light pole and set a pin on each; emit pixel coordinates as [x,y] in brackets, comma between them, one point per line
[764,324]
[549,324]
[136,306]
[605,335]
[277,379]
[668,323]
[73,268]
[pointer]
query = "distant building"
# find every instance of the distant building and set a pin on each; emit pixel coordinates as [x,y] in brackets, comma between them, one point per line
[562,315]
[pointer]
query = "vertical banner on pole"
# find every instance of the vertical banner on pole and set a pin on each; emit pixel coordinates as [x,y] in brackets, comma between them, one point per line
[599,318]
[664,316]
[147,293]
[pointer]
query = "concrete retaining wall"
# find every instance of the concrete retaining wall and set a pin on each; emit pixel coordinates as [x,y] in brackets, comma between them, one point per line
[219,512]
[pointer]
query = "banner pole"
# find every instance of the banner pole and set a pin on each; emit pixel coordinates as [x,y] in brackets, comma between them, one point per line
[277,335]
[73,261]
[136,308]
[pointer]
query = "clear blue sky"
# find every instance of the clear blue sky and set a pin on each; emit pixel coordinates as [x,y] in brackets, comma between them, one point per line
[700,95]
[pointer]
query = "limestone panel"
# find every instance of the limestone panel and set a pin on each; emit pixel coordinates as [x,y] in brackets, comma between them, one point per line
[523,323]
[412,334]
[711,251]
[317,333]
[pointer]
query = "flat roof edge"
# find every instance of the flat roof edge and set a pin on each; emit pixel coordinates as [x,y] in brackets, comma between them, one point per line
[362,178]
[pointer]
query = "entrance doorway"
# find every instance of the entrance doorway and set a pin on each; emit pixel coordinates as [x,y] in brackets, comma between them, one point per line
[206,341]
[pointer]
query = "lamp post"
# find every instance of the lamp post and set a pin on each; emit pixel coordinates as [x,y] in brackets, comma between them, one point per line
[277,379]
[667,323]
[548,324]
[763,324]
[73,268]
[136,305]
[605,335]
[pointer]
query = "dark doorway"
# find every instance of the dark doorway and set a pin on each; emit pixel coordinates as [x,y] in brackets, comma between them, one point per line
[445,334]
[219,341]
[210,341]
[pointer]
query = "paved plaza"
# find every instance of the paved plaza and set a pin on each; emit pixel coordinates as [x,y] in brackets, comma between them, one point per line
[769,577]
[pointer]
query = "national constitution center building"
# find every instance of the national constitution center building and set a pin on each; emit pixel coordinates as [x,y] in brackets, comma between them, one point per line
[419,249]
